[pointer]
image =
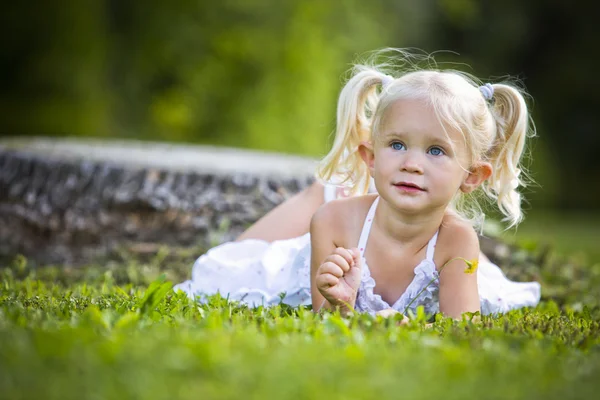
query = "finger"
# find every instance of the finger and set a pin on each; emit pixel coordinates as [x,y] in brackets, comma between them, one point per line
[339,261]
[331,268]
[346,254]
[388,312]
[355,254]
[356,257]
[326,281]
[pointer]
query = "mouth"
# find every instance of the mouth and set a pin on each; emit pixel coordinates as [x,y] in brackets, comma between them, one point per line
[409,186]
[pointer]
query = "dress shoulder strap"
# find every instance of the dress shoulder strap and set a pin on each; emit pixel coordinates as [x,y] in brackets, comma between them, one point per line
[329,192]
[364,235]
[431,246]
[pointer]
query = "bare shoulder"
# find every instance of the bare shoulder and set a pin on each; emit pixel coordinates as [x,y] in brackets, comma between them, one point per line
[342,217]
[457,238]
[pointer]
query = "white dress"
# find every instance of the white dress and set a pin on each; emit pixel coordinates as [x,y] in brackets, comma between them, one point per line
[256,272]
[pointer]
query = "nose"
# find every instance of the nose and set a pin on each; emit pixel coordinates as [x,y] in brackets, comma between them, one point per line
[412,162]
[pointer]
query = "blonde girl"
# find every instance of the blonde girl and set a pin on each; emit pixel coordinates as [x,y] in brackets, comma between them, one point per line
[430,143]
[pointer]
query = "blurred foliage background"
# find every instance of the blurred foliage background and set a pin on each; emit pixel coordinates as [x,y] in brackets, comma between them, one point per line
[265,74]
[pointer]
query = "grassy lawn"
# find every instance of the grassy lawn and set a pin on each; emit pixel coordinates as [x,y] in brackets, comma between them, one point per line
[118,331]
[568,234]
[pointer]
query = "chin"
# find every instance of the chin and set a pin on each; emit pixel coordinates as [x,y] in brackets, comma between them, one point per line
[408,207]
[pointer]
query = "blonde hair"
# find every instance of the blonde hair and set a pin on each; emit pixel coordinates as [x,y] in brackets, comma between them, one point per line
[494,131]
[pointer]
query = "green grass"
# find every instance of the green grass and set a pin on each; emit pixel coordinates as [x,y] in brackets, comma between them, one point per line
[574,234]
[118,331]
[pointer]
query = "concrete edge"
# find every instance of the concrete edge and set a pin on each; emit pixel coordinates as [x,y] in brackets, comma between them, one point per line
[179,157]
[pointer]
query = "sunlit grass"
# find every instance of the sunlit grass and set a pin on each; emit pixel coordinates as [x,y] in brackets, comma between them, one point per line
[117,331]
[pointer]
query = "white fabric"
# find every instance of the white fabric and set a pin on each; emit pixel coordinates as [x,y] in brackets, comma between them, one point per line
[257,272]
[254,272]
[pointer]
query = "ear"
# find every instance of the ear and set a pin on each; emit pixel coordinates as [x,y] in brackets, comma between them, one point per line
[365,149]
[478,173]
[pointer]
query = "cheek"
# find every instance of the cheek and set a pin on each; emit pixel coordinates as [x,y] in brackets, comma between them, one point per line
[384,161]
[449,173]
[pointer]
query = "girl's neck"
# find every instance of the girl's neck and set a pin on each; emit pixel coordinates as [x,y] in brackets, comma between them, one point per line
[407,228]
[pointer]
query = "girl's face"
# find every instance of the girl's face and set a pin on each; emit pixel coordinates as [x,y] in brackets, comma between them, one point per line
[414,166]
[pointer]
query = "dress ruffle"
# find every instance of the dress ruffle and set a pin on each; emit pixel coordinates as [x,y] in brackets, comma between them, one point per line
[425,272]
[369,301]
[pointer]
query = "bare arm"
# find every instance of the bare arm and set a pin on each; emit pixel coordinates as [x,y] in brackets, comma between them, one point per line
[321,242]
[335,270]
[458,289]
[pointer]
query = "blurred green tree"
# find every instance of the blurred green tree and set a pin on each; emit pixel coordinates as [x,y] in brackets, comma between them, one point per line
[258,73]
[266,74]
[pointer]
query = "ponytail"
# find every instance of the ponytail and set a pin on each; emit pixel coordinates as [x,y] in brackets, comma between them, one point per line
[512,128]
[356,106]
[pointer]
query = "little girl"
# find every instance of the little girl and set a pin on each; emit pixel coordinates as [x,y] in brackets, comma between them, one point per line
[431,142]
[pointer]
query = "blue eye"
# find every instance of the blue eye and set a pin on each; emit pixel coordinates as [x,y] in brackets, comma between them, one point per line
[436,151]
[397,146]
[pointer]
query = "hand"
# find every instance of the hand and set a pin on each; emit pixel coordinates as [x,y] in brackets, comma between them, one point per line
[338,277]
[390,312]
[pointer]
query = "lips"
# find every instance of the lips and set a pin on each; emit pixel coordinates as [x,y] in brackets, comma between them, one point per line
[408,185]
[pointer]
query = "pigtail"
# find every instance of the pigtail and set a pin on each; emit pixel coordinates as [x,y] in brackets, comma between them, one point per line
[356,105]
[512,128]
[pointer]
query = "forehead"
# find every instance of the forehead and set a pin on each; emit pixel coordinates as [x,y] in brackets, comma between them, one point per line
[408,117]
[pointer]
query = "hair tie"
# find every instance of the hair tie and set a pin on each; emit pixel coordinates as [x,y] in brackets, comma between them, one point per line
[487,91]
[387,80]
